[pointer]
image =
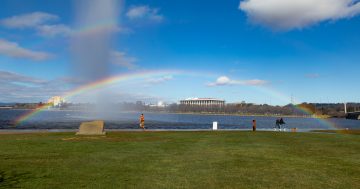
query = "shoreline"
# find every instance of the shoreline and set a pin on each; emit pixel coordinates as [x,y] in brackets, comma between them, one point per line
[243,115]
[29,131]
[198,113]
[50,131]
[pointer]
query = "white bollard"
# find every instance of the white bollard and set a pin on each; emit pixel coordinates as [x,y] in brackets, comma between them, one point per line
[215,125]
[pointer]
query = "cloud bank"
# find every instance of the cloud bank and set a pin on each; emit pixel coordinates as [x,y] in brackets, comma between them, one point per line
[12,49]
[15,87]
[6,76]
[41,22]
[224,80]
[28,20]
[297,14]
[54,30]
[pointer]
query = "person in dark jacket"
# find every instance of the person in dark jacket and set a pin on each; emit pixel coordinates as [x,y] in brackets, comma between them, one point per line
[277,124]
[281,122]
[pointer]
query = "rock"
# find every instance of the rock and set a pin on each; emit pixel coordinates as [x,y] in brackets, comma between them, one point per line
[91,128]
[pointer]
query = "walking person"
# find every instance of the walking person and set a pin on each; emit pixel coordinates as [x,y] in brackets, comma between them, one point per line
[277,124]
[282,122]
[254,125]
[142,121]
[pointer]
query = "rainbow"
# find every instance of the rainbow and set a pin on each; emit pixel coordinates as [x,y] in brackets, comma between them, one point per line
[109,26]
[322,121]
[147,74]
[99,84]
[270,91]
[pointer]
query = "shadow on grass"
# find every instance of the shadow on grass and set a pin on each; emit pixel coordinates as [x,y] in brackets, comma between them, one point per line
[12,179]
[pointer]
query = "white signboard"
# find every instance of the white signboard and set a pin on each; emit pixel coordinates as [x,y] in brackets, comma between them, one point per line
[215,125]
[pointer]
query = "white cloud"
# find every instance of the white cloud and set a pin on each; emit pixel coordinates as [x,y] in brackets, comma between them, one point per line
[6,76]
[39,21]
[43,24]
[17,87]
[28,20]
[20,88]
[144,12]
[224,80]
[120,58]
[291,14]
[12,49]
[160,79]
[54,30]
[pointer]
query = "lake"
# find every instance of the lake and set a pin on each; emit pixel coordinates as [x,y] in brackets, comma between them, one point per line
[61,119]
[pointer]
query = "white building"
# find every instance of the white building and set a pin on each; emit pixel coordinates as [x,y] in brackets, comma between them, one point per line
[56,101]
[161,104]
[202,102]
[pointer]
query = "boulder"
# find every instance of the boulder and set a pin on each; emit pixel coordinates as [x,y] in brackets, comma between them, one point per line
[91,128]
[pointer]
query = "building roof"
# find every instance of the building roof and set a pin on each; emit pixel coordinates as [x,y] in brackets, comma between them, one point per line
[204,99]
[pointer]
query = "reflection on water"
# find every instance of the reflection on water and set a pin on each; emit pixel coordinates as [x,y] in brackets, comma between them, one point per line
[121,120]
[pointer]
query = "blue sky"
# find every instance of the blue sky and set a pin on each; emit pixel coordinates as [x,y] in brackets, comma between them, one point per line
[256,51]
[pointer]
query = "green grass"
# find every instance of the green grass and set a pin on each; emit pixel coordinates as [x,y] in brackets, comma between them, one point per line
[350,132]
[180,160]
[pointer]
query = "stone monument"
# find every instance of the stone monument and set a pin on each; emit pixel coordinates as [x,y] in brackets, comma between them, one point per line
[91,128]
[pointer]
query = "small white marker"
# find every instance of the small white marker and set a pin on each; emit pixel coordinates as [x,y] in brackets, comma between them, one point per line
[215,125]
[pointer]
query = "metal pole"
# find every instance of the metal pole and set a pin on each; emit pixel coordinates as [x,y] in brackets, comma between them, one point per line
[345,108]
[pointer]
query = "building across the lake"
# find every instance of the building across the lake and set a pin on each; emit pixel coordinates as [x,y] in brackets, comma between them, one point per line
[202,102]
[56,101]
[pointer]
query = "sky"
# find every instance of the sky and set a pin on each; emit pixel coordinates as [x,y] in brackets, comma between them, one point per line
[258,51]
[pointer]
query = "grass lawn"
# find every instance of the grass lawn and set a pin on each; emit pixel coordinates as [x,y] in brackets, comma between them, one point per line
[350,132]
[180,160]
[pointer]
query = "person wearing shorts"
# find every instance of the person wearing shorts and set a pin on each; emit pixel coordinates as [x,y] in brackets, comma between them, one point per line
[142,121]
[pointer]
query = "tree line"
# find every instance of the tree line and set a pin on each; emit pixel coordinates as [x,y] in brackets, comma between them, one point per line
[303,109]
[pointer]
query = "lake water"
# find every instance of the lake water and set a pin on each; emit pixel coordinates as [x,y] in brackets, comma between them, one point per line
[55,119]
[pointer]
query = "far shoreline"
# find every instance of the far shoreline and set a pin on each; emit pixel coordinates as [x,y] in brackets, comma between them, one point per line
[196,113]
[244,115]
